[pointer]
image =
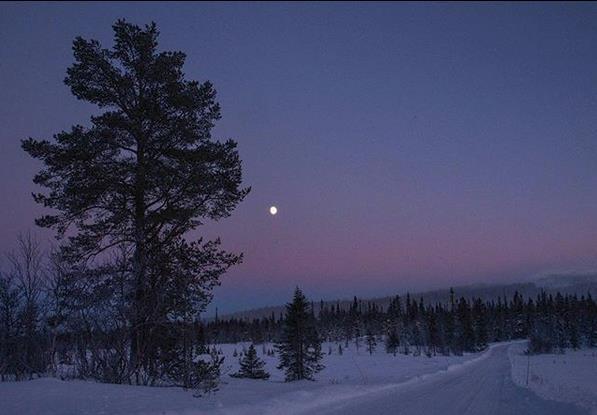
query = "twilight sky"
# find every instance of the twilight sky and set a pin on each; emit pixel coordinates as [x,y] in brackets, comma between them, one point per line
[407,146]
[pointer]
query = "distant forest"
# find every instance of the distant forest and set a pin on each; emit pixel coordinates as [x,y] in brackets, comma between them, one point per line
[409,326]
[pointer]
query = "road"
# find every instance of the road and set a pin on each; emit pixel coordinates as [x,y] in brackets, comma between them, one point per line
[483,387]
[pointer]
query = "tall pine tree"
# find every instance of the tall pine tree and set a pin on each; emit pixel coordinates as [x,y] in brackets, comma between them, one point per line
[144,173]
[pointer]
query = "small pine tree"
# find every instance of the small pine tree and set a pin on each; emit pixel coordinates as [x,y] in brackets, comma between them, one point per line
[300,345]
[251,366]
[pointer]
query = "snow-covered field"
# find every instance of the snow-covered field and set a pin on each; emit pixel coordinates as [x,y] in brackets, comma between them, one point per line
[346,375]
[353,377]
[569,377]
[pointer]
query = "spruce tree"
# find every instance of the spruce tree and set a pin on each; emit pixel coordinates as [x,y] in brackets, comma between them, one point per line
[300,346]
[251,366]
[480,324]
[464,333]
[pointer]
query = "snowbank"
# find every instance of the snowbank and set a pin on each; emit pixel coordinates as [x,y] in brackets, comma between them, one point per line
[569,377]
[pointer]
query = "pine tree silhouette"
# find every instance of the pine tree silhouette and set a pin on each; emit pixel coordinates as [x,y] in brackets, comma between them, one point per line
[251,366]
[300,345]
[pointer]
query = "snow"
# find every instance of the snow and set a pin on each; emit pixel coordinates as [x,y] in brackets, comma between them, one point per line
[350,374]
[477,387]
[569,377]
[353,383]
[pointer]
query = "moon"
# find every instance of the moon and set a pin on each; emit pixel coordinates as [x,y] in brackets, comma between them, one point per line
[273,210]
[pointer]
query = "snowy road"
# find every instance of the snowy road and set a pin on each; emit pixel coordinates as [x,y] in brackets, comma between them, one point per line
[483,387]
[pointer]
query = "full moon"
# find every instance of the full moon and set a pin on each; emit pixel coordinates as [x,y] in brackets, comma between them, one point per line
[273,210]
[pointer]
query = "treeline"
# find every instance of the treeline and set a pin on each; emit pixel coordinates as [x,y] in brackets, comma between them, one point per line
[55,323]
[407,325]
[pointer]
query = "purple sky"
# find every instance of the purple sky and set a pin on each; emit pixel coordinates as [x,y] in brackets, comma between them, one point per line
[407,146]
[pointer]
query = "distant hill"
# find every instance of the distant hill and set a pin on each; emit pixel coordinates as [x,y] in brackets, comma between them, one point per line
[580,284]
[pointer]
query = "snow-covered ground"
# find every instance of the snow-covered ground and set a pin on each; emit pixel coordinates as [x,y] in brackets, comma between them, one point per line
[353,367]
[354,382]
[352,373]
[569,377]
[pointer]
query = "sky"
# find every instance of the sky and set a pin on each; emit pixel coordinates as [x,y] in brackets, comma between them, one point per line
[406,146]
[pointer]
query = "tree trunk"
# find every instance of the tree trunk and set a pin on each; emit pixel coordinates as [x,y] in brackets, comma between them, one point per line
[138,326]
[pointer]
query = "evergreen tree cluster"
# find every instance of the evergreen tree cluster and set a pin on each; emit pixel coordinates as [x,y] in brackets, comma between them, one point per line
[560,322]
[552,322]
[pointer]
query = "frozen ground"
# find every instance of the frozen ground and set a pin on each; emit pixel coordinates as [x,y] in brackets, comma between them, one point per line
[569,377]
[482,387]
[352,383]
